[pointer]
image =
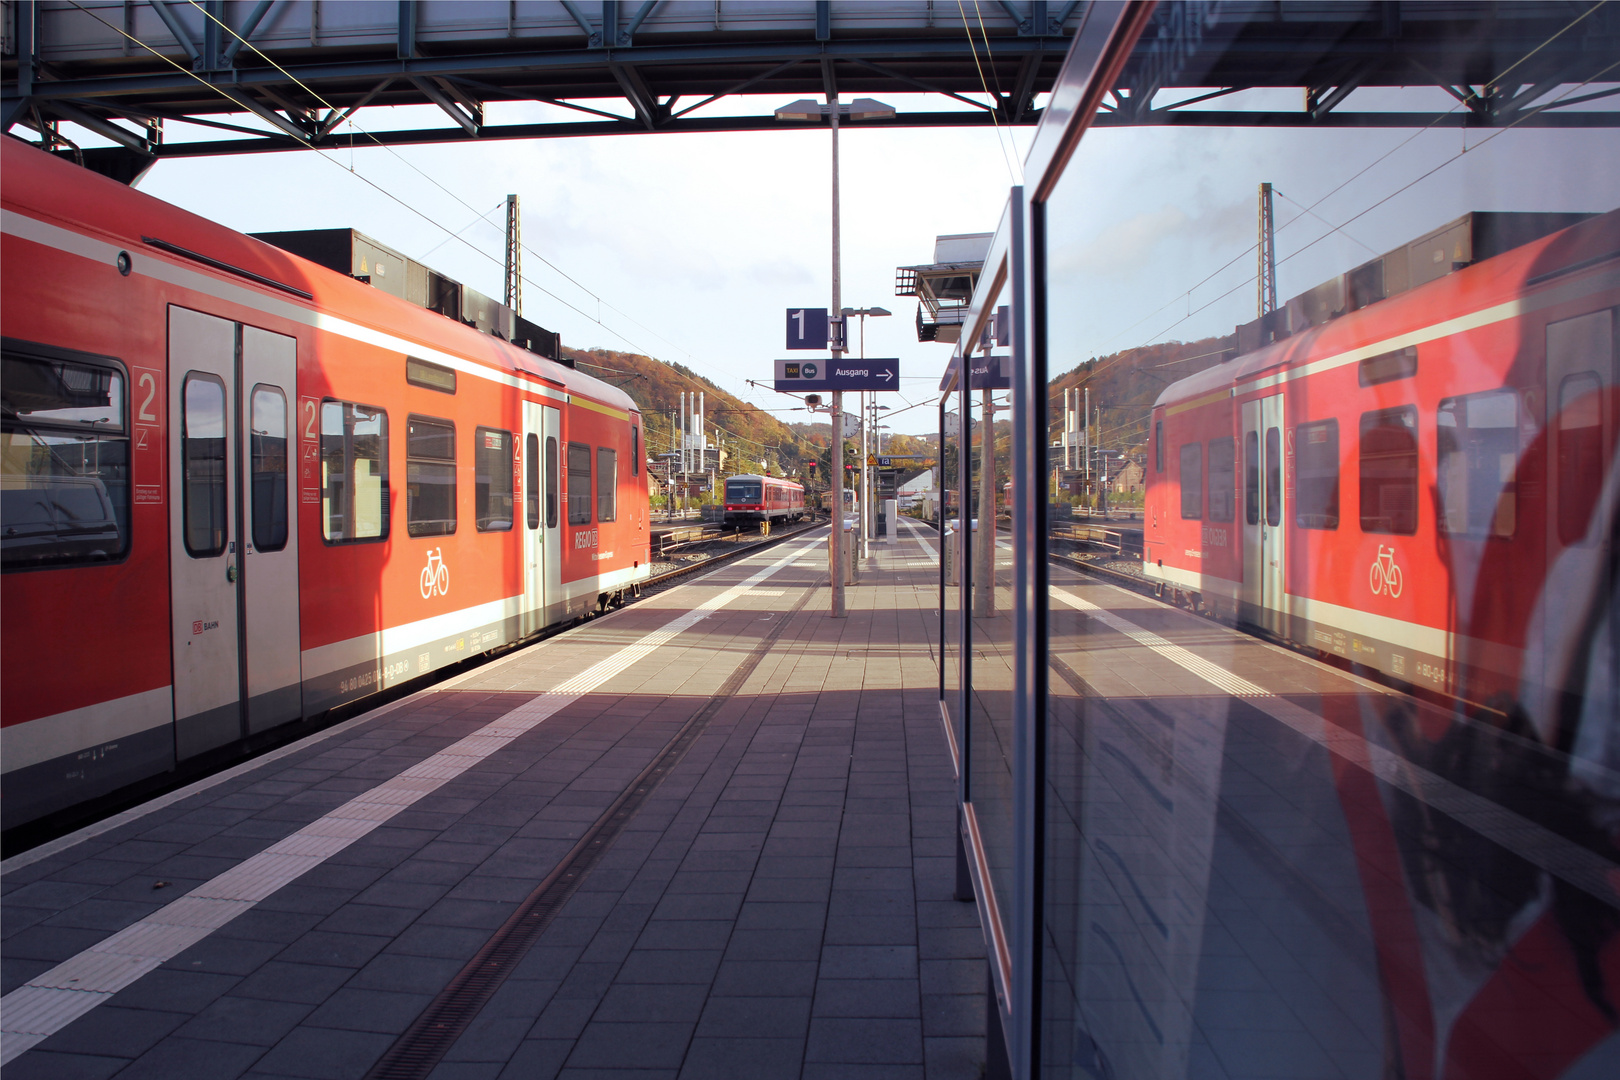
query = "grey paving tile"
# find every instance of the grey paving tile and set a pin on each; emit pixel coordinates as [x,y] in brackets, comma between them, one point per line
[869,962]
[364,1009]
[755,1017]
[867,998]
[640,1045]
[308,984]
[40,1064]
[245,1020]
[114,1030]
[324,1053]
[181,991]
[538,1059]
[754,1058]
[193,1059]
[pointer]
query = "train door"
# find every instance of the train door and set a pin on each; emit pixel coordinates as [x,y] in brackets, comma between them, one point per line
[220,375]
[269,577]
[541,533]
[1264,556]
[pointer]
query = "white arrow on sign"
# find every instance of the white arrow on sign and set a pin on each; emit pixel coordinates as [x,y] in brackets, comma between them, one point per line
[887,376]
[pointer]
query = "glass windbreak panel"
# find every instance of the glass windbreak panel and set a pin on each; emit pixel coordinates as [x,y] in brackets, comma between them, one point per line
[744,491]
[354,472]
[64,462]
[492,477]
[990,629]
[531,480]
[579,484]
[202,457]
[430,477]
[268,424]
[1254,863]
[1477,444]
[950,538]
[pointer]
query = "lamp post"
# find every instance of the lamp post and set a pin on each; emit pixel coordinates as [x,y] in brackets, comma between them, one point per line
[868,414]
[832,111]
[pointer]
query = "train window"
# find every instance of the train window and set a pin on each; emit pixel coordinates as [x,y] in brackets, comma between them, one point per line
[1192,481]
[492,479]
[430,477]
[64,469]
[552,482]
[1387,367]
[607,483]
[354,472]
[531,480]
[268,426]
[1158,446]
[579,484]
[1580,454]
[1477,443]
[1222,478]
[432,376]
[1251,478]
[635,451]
[1273,478]
[1316,481]
[1389,471]
[203,458]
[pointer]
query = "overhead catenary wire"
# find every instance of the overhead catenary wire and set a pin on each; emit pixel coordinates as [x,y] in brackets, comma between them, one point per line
[1462,102]
[322,153]
[1007,157]
[1248,279]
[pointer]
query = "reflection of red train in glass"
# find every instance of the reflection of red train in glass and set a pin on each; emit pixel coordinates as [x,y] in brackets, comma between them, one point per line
[1426,486]
[241,489]
[763,499]
[1395,485]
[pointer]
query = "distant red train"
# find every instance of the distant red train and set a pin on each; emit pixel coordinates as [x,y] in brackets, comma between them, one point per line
[1403,484]
[240,489]
[752,500]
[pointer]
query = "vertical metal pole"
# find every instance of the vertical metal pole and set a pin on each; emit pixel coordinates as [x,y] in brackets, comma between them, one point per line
[1267,279]
[1086,442]
[514,257]
[838,395]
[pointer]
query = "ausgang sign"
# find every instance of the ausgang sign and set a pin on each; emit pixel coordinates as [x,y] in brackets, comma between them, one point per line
[840,374]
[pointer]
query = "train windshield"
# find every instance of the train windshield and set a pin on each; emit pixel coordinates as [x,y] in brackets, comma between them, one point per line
[744,491]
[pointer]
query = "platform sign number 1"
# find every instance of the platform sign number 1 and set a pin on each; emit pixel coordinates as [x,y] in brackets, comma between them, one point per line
[807,328]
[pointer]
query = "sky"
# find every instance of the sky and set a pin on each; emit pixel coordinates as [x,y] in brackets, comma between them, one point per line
[689,248]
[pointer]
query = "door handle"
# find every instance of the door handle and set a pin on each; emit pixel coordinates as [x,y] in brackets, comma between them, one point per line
[230,572]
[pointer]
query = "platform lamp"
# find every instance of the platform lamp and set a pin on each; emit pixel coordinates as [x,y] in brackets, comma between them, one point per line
[806,109]
[868,403]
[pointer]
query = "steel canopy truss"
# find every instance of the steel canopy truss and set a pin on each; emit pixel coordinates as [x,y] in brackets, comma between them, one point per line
[628,67]
[121,68]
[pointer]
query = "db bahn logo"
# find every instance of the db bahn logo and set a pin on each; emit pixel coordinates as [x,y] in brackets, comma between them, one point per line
[1385,576]
[435,575]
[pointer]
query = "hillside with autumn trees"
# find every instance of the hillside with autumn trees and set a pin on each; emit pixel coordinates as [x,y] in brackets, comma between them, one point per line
[1125,384]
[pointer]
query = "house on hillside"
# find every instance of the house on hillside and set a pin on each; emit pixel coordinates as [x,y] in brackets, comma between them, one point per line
[1129,480]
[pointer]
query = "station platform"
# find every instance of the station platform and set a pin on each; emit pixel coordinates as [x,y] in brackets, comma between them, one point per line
[709,834]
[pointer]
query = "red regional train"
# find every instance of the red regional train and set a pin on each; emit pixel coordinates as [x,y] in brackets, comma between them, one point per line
[1424,486]
[240,489]
[763,500]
